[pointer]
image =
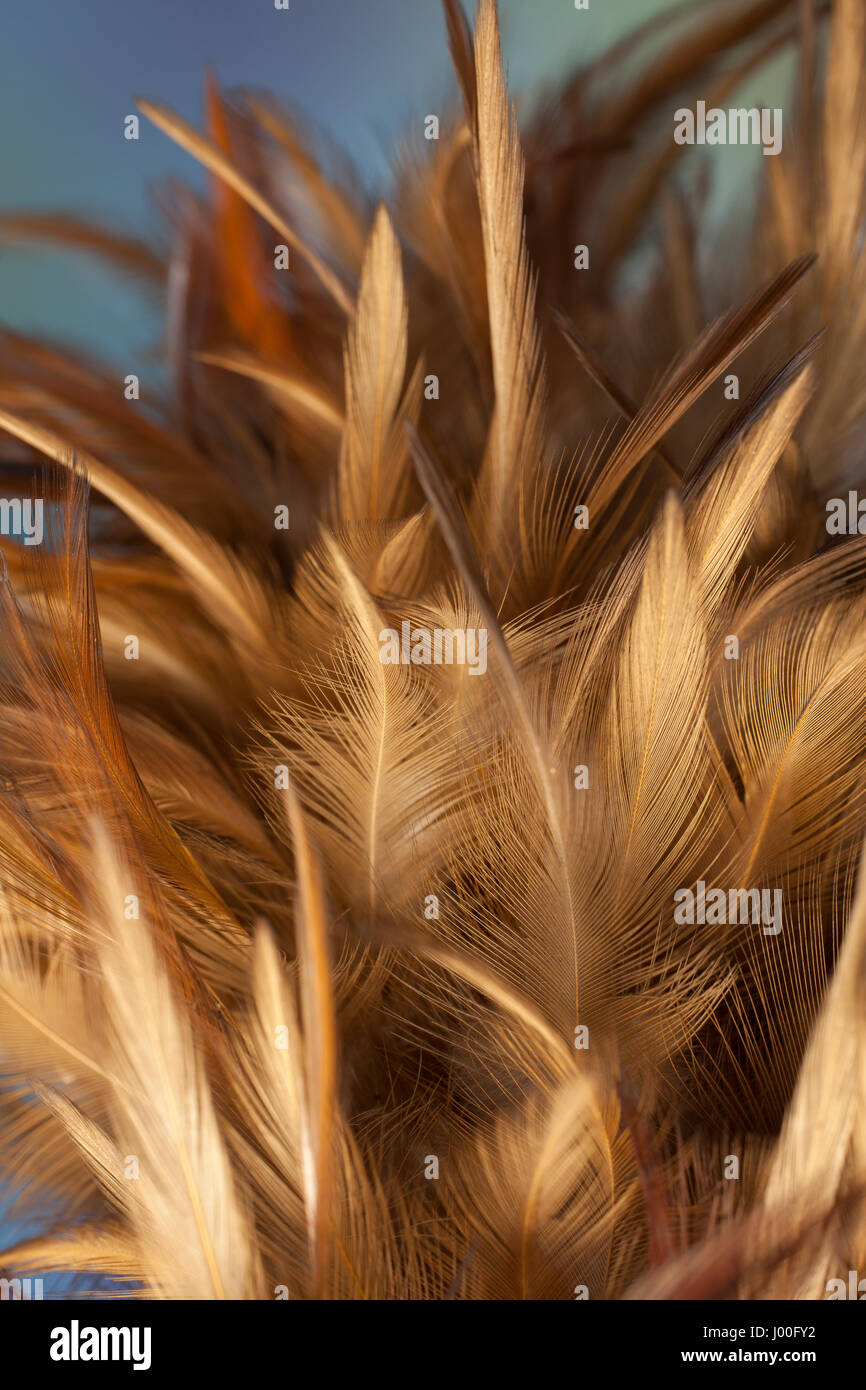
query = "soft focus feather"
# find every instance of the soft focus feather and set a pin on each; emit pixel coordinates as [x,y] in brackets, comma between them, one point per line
[372,965]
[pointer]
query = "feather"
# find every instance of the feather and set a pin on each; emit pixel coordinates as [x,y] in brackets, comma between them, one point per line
[211,156]
[518,373]
[462,55]
[715,350]
[821,1150]
[165,1116]
[374,963]
[320,1028]
[290,392]
[372,477]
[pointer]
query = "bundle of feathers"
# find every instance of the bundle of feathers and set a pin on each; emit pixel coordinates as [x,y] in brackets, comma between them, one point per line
[329,978]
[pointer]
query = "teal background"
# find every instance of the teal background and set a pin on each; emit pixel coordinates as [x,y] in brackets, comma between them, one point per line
[366,70]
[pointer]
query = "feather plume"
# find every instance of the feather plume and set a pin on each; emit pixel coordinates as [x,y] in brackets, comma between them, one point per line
[433,806]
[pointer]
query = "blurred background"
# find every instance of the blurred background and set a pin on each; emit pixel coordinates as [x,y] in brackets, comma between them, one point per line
[365,72]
